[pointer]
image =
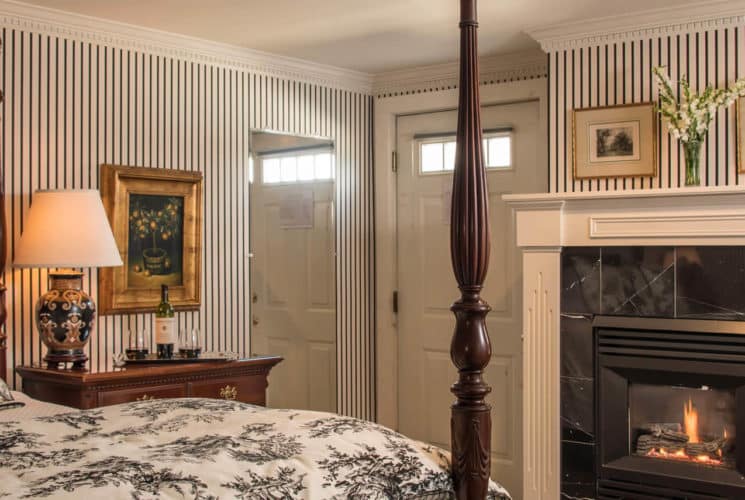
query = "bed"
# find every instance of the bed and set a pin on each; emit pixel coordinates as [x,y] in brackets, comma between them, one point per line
[211,448]
[203,448]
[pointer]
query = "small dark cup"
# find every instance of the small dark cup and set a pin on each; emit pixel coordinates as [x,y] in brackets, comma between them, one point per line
[136,353]
[165,351]
[190,353]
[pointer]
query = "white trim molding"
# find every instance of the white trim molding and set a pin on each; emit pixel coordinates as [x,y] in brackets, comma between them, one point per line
[686,18]
[79,27]
[667,226]
[545,223]
[517,66]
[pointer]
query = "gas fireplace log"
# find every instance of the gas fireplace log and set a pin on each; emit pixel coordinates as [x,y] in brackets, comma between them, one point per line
[666,432]
[658,429]
[709,448]
[649,442]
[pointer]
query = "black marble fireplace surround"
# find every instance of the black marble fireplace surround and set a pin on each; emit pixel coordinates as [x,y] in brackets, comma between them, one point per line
[663,282]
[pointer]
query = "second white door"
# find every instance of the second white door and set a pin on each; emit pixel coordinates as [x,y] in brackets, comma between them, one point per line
[427,287]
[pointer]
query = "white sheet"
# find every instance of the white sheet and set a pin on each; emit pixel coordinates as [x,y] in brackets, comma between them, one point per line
[32,408]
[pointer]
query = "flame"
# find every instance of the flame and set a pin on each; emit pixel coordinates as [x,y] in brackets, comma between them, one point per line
[690,423]
[681,455]
[690,419]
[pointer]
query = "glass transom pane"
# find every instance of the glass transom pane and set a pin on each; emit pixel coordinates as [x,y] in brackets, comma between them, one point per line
[431,157]
[305,170]
[450,155]
[271,170]
[323,166]
[499,152]
[289,169]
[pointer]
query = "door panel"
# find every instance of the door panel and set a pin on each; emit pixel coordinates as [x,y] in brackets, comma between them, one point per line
[427,287]
[294,295]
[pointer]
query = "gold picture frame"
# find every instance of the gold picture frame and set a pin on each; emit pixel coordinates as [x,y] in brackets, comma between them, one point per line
[614,141]
[156,217]
[740,127]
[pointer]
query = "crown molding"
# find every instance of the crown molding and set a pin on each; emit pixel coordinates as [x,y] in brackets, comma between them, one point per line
[686,18]
[78,27]
[492,69]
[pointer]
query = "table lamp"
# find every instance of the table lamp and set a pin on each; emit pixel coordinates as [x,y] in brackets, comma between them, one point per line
[66,230]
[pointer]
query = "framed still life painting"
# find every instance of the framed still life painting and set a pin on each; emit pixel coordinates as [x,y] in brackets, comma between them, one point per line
[616,141]
[156,217]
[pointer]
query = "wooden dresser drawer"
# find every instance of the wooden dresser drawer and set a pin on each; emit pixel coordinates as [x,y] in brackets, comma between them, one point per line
[247,390]
[244,380]
[106,398]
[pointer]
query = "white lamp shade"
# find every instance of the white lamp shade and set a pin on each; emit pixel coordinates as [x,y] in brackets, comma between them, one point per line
[67,228]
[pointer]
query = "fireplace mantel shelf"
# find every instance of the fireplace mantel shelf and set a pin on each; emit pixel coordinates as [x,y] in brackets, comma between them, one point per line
[545,223]
[693,192]
[685,216]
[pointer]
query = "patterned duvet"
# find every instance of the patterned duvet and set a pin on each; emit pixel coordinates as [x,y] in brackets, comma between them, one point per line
[208,449]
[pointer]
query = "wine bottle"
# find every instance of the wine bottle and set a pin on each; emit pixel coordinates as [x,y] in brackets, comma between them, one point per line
[165,326]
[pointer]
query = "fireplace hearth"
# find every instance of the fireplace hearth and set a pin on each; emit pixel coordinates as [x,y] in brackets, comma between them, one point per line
[670,406]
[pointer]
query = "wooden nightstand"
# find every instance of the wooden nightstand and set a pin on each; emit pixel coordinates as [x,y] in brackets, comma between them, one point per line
[243,380]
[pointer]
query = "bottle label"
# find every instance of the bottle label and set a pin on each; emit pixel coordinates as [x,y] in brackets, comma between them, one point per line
[165,331]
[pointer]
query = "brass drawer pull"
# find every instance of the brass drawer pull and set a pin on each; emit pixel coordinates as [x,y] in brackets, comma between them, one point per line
[229,392]
[145,397]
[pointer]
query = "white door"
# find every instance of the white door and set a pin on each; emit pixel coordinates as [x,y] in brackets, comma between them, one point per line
[427,287]
[293,290]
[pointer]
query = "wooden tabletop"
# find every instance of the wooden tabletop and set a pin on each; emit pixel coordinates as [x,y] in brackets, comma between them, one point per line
[92,375]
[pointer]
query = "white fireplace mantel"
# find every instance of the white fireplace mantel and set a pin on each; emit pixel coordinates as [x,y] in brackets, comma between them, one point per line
[548,222]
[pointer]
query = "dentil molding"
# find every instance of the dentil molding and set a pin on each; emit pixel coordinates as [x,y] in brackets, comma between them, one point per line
[492,69]
[679,19]
[37,19]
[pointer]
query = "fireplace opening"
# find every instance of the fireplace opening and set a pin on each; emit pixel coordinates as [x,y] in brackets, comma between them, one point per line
[670,408]
[683,424]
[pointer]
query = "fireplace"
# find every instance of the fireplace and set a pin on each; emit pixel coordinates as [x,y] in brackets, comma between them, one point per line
[559,426]
[670,402]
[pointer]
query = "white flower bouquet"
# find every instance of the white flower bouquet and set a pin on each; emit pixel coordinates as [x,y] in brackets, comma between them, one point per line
[689,119]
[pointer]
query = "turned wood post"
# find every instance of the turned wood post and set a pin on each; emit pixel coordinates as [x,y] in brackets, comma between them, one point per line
[3,257]
[470,349]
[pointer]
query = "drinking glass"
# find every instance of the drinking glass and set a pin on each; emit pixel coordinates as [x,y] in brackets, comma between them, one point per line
[190,345]
[138,346]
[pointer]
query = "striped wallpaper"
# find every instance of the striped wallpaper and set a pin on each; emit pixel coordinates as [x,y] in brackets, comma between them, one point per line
[72,104]
[617,70]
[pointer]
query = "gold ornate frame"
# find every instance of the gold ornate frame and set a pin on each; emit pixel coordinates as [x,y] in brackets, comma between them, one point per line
[117,183]
[645,113]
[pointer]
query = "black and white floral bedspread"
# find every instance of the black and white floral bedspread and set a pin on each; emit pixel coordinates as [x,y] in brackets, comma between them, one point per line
[208,449]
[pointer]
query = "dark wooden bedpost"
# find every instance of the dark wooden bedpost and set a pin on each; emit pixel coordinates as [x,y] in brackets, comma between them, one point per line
[3,256]
[470,349]
[3,311]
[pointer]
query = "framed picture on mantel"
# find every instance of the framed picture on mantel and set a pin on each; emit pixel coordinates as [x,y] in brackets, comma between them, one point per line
[615,141]
[156,216]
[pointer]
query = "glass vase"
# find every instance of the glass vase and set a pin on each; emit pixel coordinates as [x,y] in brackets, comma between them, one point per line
[692,153]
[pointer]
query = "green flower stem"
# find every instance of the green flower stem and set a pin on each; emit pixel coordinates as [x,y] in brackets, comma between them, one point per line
[692,150]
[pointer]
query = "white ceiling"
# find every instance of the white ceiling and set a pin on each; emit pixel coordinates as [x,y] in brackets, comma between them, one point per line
[364,35]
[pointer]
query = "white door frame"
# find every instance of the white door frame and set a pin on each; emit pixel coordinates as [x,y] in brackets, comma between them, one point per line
[386,112]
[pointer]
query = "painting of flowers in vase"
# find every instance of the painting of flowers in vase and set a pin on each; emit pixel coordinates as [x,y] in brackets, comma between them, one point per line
[155,240]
